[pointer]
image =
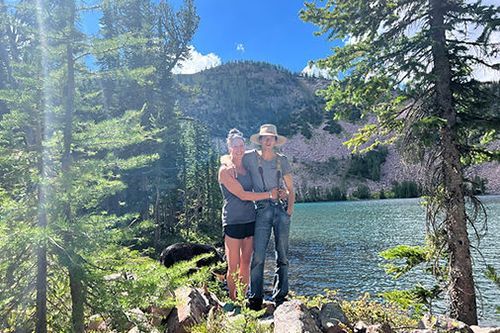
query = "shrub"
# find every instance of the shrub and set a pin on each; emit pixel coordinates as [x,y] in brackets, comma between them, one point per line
[362,192]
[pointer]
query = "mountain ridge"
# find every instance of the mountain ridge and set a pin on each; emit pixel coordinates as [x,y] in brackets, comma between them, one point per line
[247,94]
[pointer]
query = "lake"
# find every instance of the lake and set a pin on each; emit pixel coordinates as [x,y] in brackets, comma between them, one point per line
[336,245]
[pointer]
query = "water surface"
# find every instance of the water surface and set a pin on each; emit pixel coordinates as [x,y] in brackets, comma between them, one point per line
[336,245]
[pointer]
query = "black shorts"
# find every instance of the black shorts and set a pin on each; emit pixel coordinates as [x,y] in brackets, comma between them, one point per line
[240,231]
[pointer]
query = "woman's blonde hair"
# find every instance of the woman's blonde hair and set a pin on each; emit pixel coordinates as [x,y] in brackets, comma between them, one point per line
[233,135]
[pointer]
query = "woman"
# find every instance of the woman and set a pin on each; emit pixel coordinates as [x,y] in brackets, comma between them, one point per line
[238,211]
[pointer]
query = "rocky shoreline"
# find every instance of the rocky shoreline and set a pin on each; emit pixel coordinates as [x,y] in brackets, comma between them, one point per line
[199,310]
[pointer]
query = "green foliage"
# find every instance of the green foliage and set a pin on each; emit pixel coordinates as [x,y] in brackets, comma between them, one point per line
[493,276]
[406,189]
[87,155]
[336,194]
[315,194]
[250,94]
[246,321]
[128,279]
[368,165]
[478,185]
[364,309]
[333,127]
[412,255]
[404,258]
[371,312]
[362,192]
[199,191]
[410,65]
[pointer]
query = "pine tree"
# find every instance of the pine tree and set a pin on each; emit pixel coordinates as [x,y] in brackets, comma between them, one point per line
[60,165]
[410,63]
[150,45]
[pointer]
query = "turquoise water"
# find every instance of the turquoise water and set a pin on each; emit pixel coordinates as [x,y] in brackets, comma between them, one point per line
[335,245]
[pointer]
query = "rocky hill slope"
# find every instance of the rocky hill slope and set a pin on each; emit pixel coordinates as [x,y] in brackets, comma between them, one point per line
[247,94]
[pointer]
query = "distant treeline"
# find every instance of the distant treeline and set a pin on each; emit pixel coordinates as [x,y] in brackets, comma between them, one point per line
[403,189]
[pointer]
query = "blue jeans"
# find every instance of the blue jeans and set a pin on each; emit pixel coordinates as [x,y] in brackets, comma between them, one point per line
[270,217]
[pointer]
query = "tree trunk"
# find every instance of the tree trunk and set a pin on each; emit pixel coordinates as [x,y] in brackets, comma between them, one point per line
[77,297]
[461,283]
[5,71]
[41,278]
[74,268]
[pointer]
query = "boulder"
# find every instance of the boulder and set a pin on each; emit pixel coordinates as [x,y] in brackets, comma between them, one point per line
[332,318]
[191,309]
[294,317]
[379,328]
[360,327]
[477,329]
[186,251]
[441,322]
[158,314]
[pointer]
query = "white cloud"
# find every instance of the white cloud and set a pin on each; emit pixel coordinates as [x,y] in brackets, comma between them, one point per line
[196,62]
[315,71]
[240,47]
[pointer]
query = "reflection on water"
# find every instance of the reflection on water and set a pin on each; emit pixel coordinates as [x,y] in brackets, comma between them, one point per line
[335,245]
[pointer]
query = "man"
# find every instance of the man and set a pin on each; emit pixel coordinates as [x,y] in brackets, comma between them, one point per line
[269,170]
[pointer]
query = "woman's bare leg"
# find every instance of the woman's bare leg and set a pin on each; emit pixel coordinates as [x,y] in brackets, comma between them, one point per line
[246,256]
[233,247]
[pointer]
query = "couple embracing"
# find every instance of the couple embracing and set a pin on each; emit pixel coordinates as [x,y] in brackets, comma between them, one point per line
[258,199]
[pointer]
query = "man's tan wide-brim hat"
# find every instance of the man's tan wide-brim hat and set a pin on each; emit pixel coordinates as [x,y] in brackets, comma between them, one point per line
[268,129]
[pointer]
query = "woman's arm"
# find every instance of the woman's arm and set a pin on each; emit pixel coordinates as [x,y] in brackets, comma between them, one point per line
[227,179]
[291,193]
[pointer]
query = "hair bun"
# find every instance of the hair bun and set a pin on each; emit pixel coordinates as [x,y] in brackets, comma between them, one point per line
[235,131]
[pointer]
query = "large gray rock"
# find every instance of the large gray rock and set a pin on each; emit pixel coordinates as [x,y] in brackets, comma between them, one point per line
[379,328]
[477,329]
[360,327]
[441,322]
[158,314]
[294,317]
[332,318]
[191,309]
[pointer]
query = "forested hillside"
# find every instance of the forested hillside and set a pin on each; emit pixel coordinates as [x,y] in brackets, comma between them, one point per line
[247,94]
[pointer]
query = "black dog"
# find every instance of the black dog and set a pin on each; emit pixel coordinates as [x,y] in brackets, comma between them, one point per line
[186,251]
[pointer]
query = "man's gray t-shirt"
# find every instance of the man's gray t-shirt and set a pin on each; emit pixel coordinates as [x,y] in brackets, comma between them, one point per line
[269,168]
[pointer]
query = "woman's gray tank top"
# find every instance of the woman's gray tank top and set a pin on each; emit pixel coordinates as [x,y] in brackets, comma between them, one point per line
[235,210]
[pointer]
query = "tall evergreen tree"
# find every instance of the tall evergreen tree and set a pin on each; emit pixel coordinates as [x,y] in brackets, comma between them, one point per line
[60,162]
[199,218]
[150,45]
[410,63]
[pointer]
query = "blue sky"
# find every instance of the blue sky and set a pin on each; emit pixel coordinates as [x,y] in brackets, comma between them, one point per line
[258,30]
